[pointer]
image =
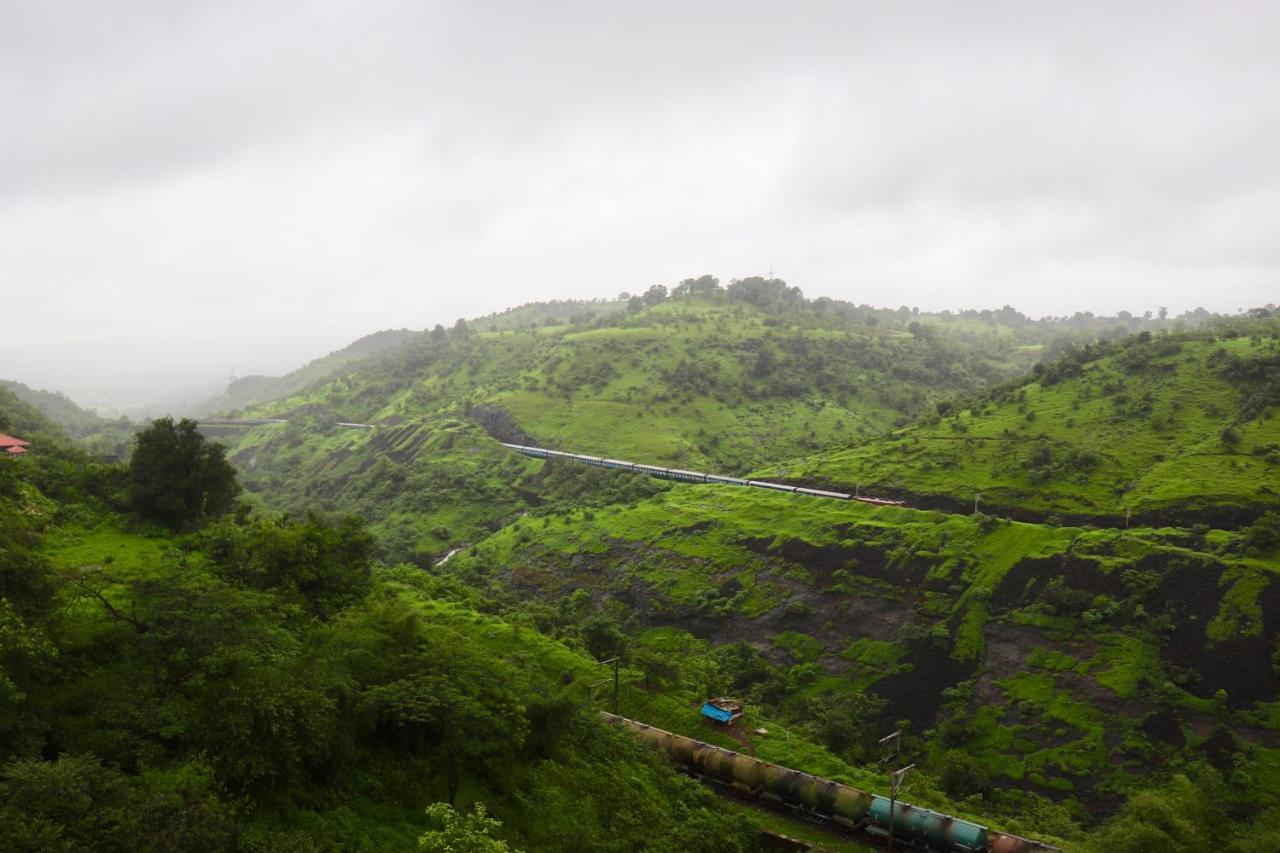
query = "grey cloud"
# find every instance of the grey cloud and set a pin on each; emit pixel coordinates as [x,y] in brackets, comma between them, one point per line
[253,184]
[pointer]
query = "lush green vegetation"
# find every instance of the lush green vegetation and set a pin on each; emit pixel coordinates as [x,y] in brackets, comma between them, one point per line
[1093,659]
[263,684]
[705,377]
[1179,428]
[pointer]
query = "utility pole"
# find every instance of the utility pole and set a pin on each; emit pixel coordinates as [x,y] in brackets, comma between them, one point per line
[896,737]
[893,800]
[615,661]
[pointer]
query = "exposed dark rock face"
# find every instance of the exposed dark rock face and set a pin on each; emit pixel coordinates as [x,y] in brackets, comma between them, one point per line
[915,692]
[1164,726]
[1024,583]
[498,422]
[823,560]
[1189,595]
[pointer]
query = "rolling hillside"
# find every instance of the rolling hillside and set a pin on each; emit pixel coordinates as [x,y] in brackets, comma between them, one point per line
[1051,668]
[705,380]
[58,408]
[1061,661]
[1176,429]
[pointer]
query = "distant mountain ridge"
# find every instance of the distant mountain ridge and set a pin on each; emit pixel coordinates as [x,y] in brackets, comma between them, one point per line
[57,407]
[251,390]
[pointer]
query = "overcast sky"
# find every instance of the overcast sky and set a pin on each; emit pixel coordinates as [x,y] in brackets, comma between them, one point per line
[191,187]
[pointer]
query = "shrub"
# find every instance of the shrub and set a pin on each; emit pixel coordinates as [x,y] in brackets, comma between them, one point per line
[1263,534]
[963,775]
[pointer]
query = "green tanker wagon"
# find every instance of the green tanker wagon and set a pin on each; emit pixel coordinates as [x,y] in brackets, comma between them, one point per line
[838,802]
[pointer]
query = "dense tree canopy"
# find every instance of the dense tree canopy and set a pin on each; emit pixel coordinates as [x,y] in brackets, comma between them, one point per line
[178,478]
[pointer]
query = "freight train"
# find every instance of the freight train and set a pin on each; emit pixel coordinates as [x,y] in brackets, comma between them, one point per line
[922,829]
[692,476]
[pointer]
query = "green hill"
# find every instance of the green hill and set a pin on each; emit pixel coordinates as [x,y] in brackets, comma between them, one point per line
[1179,429]
[709,380]
[58,408]
[554,313]
[251,390]
[25,419]
[52,417]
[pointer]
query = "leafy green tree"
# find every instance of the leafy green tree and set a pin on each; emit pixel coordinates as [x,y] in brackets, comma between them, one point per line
[178,478]
[446,700]
[603,637]
[842,722]
[323,565]
[658,669]
[550,716]
[222,673]
[26,658]
[1264,534]
[76,803]
[1179,817]
[962,775]
[461,833]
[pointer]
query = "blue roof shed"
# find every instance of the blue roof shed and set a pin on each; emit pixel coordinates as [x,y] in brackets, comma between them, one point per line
[720,715]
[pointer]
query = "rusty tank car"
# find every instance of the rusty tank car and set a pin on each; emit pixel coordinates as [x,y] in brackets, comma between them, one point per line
[842,804]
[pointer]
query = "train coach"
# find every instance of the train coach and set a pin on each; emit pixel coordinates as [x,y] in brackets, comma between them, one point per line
[839,803]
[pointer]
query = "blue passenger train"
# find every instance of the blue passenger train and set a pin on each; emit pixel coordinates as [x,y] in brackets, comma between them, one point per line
[693,476]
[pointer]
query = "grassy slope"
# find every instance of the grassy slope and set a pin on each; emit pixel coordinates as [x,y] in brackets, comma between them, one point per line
[1111,440]
[104,551]
[255,390]
[422,485]
[1061,680]
[1065,681]
[699,382]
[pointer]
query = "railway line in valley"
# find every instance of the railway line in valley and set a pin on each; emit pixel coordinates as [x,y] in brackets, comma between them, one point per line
[249,422]
[684,476]
[949,504]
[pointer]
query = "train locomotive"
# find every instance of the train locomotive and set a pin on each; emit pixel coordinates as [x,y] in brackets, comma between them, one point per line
[846,806]
[692,476]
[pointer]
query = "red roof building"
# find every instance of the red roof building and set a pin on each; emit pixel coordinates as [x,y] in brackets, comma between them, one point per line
[13,446]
